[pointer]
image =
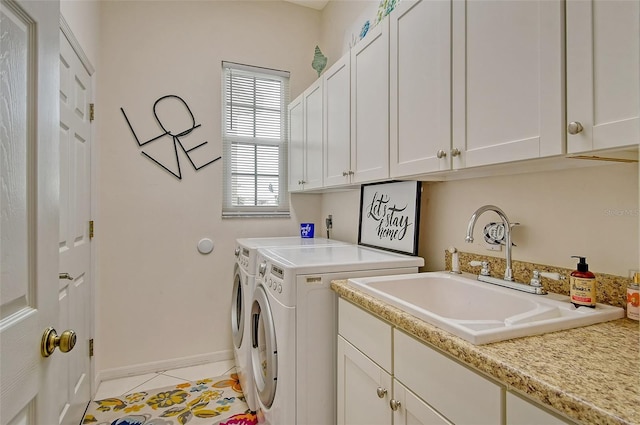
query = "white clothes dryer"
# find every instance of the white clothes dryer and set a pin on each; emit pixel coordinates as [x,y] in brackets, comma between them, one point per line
[243,287]
[293,326]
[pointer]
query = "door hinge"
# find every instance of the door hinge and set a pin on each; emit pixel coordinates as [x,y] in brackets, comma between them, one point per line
[92,112]
[91,229]
[91,347]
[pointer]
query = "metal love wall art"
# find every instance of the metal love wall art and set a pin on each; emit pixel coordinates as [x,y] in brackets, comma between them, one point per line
[389,216]
[176,125]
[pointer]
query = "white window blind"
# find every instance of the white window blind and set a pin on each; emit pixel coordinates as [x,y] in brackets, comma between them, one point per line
[254,133]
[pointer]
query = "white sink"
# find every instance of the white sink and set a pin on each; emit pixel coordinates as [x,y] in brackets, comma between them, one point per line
[480,312]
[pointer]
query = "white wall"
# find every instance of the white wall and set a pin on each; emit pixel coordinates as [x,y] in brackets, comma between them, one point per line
[161,299]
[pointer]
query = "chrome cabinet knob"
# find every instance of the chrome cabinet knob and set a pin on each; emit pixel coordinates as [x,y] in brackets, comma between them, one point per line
[394,404]
[575,127]
[455,152]
[381,392]
[345,173]
[441,154]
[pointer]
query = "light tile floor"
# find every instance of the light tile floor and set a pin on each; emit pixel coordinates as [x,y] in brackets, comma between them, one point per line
[149,381]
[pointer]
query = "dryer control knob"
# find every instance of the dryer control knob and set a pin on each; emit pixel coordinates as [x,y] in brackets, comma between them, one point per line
[280,288]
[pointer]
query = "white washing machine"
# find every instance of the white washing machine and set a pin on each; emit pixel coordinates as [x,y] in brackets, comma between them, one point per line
[243,287]
[294,326]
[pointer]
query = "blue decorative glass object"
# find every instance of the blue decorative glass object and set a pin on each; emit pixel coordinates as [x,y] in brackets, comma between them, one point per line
[319,61]
[365,29]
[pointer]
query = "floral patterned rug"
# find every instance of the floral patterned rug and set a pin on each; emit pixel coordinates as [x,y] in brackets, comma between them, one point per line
[213,401]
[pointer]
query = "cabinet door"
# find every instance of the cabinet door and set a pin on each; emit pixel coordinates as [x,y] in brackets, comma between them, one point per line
[370,105]
[507,80]
[420,87]
[522,412]
[412,410]
[313,136]
[296,144]
[603,64]
[445,384]
[359,382]
[337,123]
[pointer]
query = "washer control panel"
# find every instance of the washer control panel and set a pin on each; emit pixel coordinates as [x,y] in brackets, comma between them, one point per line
[275,279]
[243,256]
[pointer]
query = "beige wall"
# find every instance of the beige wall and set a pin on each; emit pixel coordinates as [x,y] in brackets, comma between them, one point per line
[341,20]
[161,299]
[590,212]
[83,18]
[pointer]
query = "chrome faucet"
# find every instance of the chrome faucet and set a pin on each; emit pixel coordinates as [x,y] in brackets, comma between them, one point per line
[508,273]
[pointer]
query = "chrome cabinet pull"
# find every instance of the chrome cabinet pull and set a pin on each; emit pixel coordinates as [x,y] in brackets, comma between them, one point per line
[65,276]
[394,404]
[441,154]
[575,127]
[381,392]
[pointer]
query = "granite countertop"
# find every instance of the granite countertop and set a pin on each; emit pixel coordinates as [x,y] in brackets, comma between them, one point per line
[590,374]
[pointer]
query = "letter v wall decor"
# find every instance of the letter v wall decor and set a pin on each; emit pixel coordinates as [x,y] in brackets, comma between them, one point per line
[183,120]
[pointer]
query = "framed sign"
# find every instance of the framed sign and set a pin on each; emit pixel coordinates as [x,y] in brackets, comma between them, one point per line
[389,216]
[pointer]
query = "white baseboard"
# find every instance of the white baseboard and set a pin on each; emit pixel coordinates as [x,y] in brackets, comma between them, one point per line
[161,366]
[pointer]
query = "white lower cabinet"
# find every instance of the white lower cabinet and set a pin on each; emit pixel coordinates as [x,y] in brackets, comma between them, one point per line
[387,377]
[412,410]
[457,392]
[523,412]
[361,382]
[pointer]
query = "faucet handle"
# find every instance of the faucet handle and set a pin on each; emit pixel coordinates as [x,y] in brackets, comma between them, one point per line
[485,267]
[537,275]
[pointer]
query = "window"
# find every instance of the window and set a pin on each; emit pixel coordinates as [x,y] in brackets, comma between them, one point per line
[254,134]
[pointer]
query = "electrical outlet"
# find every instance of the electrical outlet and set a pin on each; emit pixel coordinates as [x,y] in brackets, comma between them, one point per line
[491,247]
[329,222]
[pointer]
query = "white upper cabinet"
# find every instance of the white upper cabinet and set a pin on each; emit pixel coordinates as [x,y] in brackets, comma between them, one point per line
[305,139]
[370,105]
[313,135]
[337,123]
[507,80]
[296,144]
[420,87]
[603,74]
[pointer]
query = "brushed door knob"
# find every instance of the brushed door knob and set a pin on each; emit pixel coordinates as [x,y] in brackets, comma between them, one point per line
[381,392]
[575,127]
[441,154]
[50,340]
[455,152]
[394,404]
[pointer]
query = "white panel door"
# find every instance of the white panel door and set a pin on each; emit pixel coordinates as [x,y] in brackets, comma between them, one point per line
[74,293]
[507,80]
[370,106]
[420,87]
[29,202]
[603,65]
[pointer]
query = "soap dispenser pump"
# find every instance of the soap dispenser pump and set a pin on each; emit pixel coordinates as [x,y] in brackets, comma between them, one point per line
[582,284]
